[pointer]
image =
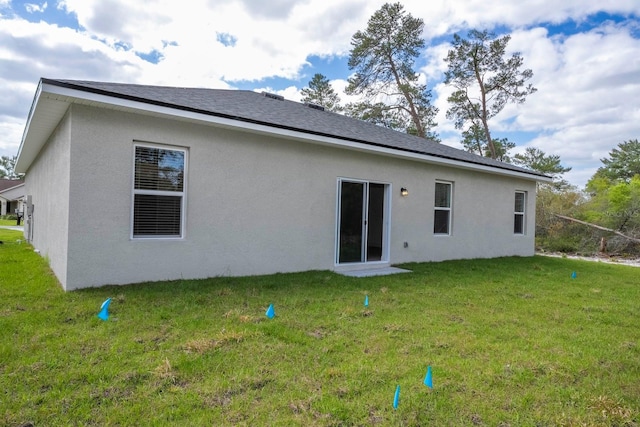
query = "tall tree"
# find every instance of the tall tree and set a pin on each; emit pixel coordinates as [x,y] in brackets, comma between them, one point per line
[474,140]
[485,80]
[623,162]
[7,167]
[383,57]
[502,147]
[536,159]
[377,113]
[321,93]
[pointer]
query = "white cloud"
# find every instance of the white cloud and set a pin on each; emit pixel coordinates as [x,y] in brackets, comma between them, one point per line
[440,94]
[32,7]
[293,93]
[35,50]
[339,86]
[290,93]
[435,65]
[588,87]
[11,130]
[268,41]
[444,16]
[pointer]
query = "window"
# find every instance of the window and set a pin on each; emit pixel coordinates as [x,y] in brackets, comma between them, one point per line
[442,209]
[158,192]
[518,219]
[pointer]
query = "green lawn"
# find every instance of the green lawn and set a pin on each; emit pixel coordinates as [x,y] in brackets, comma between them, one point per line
[9,222]
[511,342]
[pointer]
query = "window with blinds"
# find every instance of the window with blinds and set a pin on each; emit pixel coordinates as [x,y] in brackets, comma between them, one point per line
[158,192]
[442,208]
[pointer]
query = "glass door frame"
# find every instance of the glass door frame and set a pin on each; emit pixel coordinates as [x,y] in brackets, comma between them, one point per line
[386,222]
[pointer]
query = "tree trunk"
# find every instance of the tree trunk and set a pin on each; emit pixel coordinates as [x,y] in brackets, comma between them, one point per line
[415,117]
[599,227]
[492,148]
[484,119]
[603,245]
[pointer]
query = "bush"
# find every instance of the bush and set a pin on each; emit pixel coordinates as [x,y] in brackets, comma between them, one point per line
[10,217]
[554,244]
[617,245]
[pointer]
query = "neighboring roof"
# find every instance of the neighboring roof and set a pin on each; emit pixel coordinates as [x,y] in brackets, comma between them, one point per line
[6,184]
[241,109]
[11,189]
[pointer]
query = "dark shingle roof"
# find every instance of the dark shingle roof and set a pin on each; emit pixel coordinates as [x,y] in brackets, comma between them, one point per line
[5,184]
[253,107]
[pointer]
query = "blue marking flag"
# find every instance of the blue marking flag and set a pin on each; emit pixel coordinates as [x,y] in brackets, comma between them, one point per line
[104,310]
[574,275]
[271,313]
[366,300]
[428,379]
[396,398]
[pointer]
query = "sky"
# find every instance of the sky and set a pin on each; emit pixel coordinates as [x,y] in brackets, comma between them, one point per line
[584,54]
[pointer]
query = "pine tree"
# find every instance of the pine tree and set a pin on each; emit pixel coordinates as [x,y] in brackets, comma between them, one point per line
[321,93]
[484,81]
[383,57]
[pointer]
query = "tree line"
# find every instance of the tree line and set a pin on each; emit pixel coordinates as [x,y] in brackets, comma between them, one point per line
[604,217]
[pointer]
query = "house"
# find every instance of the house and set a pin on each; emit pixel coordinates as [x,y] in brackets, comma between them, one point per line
[11,194]
[129,183]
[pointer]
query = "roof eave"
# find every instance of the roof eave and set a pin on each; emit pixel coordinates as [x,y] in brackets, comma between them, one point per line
[22,163]
[44,116]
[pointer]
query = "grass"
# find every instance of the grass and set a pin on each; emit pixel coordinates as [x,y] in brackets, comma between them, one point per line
[511,342]
[9,222]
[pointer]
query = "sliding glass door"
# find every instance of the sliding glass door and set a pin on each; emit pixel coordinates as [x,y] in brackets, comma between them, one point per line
[361,235]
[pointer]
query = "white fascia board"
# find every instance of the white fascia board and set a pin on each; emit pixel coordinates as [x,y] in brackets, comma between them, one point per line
[107,101]
[20,166]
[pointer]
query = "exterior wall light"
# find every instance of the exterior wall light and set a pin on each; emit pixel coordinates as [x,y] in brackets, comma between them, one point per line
[404,192]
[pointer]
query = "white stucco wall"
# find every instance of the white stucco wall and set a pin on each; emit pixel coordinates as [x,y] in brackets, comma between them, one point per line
[257,204]
[482,216]
[47,182]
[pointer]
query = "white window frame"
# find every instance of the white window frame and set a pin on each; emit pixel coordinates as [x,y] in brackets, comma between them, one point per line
[182,194]
[522,213]
[449,209]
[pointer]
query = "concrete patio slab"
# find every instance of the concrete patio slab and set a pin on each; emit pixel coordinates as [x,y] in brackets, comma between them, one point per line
[373,272]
